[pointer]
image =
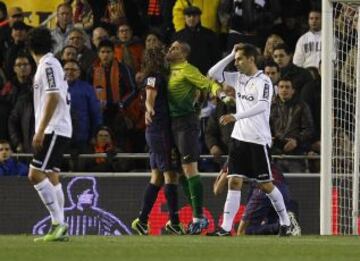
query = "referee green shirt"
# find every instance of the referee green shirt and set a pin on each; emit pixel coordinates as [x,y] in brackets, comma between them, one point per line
[183,82]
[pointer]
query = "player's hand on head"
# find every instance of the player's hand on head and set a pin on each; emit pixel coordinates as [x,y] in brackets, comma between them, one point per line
[37,141]
[235,47]
[225,119]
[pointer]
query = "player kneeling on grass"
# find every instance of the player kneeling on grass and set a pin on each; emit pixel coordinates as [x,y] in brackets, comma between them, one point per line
[259,217]
[158,138]
[53,130]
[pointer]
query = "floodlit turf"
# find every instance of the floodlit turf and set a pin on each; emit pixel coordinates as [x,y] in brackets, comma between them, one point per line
[171,248]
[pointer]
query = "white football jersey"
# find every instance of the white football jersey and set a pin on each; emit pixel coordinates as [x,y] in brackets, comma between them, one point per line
[249,91]
[49,78]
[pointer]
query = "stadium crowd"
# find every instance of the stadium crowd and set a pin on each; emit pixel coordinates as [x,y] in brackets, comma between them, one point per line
[101,46]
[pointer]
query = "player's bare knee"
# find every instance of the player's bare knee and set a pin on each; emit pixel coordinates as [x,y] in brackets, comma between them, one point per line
[170,177]
[266,187]
[190,169]
[235,183]
[35,176]
[156,178]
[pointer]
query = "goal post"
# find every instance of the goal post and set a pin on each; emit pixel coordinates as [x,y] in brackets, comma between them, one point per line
[340,124]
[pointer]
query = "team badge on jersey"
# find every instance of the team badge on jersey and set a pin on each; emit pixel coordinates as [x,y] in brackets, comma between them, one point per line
[50,77]
[151,81]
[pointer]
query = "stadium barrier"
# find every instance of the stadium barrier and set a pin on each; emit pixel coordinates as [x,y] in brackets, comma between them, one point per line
[106,203]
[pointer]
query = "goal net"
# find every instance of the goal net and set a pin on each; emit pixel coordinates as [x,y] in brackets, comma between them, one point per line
[341,117]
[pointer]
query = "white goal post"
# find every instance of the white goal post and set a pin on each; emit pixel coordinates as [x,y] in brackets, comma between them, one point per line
[340,124]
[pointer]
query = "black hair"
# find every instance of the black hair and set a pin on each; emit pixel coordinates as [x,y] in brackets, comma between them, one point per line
[39,40]
[3,8]
[271,63]
[72,61]
[106,43]
[287,79]
[19,25]
[282,46]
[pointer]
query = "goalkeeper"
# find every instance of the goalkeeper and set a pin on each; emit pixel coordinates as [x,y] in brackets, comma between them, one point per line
[185,80]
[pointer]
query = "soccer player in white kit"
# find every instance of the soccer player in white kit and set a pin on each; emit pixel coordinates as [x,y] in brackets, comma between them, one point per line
[53,130]
[251,137]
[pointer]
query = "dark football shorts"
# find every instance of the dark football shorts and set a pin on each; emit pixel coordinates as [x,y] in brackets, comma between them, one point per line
[186,131]
[249,160]
[49,158]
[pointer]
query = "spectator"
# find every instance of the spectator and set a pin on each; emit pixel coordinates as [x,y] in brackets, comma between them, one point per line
[63,26]
[98,34]
[217,136]
[69,52]
[85,109]
[119,12]
[115,88]
[308,47]
[83,15]
[271,42]
[251,21]
[15,15]
[8,165]
[291,126]
[299,76]
[20,84]
[129,49]
[21,119]
[272,70]
[18,36]
[311,95]
[3,13]
[202,41]
[208,18]
[78,38]
[158,15]
[105,143]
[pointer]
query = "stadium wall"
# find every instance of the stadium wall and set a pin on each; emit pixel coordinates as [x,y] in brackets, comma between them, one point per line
[113,202]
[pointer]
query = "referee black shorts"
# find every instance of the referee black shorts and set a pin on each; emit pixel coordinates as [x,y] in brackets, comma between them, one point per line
[49,158]
[249,160]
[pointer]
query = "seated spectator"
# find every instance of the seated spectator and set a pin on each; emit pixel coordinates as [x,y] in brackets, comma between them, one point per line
[8,165]
[78,38]
[209,15]
[83,15]
[85,110]
[270,43]
[68,53]
[217,136]
[272,70]
[105,143]
[98,35]
[298,76]
[21,119]
[119,12]
[311,95]
[129,49]
[18,36]
[291,125]
[203,41]
[20,84]
[63,26]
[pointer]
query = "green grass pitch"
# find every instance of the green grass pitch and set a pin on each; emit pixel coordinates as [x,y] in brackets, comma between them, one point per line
[184,248]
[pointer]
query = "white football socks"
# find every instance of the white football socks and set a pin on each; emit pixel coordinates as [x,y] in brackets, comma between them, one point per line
[60,200]
[231,207]
[277,201]
[47,194]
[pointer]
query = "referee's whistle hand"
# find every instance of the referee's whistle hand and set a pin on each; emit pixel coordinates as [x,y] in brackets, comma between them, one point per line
[225,119]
